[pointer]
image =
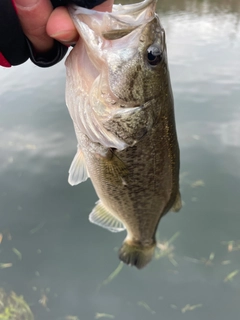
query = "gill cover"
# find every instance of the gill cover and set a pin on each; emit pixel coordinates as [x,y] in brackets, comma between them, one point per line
[90,102]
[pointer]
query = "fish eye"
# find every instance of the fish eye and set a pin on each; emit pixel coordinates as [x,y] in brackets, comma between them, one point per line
[154,55]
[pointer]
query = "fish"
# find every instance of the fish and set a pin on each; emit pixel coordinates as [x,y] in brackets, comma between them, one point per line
[119,96]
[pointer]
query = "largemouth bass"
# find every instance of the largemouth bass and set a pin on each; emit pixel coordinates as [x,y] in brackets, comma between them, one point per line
[119,96]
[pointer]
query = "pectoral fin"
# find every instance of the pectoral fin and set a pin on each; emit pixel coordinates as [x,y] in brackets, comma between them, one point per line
[113,167]
[177,204]
[103,218]
[78,171]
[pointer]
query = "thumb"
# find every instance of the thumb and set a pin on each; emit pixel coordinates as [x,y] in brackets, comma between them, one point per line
[33,16]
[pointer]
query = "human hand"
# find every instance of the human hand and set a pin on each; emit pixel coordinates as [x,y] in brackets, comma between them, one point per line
[61,27]
[41,24]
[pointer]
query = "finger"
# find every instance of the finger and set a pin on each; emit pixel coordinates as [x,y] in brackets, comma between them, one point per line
[105,6]
[61,27]
[33,15]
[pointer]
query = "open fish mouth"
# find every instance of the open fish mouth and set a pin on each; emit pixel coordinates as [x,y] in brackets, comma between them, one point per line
[123,18]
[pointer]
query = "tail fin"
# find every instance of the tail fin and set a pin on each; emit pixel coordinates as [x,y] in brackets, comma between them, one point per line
[136,254]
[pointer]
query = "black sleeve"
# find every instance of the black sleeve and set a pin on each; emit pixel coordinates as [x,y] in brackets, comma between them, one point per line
[16,48]
[13,45]
[89,4]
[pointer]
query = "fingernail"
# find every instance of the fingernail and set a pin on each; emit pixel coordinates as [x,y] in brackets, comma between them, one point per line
[26,3]
[60,34]
[68,44]
[64,36]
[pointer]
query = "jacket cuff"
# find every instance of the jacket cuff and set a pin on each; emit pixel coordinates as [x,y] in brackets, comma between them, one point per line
[49,58]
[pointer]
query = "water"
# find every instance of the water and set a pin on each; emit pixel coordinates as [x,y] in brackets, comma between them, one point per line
[64,259]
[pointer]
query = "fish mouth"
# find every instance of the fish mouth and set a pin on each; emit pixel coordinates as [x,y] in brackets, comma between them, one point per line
[119,9]
[123,17]
[134,7]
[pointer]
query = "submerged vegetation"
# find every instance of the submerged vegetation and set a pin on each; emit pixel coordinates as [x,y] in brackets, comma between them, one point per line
[14,307]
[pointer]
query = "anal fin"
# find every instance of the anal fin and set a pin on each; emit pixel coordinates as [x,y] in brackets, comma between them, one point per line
[103,218]
[78,171]
[177,203]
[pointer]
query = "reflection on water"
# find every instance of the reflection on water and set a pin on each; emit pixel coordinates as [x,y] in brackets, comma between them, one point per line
[52,255]
[200,6]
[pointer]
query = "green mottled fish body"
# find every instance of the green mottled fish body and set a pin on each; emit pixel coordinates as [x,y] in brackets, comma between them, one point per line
[120,99]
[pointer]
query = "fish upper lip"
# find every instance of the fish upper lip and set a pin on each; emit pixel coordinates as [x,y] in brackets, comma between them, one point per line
[128,14]
[118,8]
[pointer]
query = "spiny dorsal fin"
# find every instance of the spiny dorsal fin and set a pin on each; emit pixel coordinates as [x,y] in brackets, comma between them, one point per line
[177,204]
[103,218]
[78,171]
